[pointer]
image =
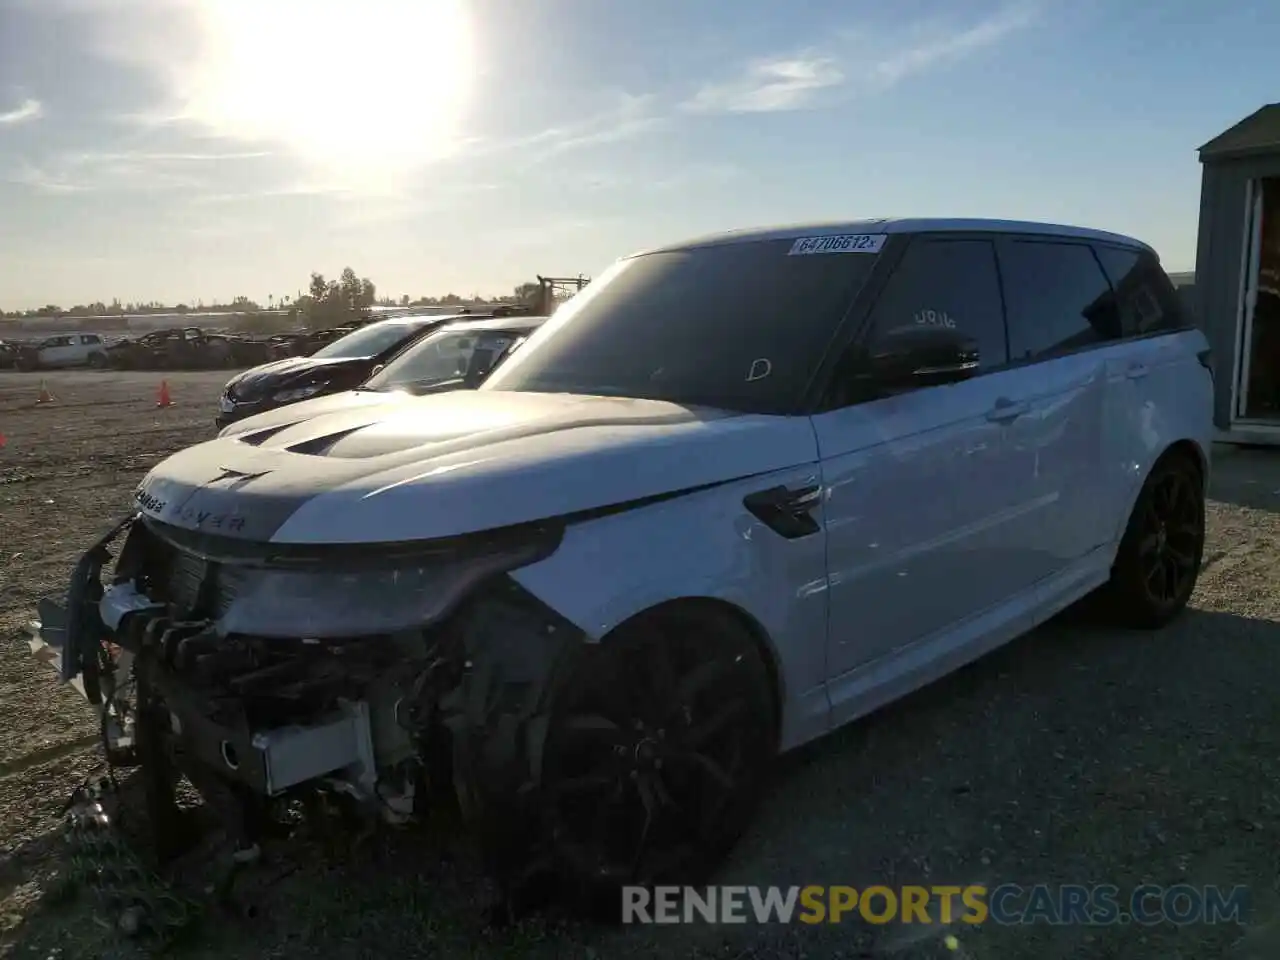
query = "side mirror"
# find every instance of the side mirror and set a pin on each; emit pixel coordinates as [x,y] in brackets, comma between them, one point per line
[922,356]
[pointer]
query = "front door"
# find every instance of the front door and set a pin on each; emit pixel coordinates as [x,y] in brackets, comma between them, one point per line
[57,352]
[916,482]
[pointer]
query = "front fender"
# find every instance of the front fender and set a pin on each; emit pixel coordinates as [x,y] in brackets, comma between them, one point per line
[704,545]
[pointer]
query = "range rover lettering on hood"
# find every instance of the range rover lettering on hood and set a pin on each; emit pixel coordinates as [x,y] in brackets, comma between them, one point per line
[454,463]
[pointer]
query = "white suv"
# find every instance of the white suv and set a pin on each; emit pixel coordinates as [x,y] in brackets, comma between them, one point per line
[735,494]
[68,350]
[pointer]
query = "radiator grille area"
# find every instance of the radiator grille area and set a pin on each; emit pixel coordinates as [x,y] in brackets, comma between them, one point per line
[200,587]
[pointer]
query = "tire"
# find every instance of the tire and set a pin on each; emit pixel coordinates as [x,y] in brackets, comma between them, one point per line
[98,361]
[672,709]
[1158,562]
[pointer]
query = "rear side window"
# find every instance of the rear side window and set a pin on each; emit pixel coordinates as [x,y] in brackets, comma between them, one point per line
[90,338]
[1057,297]
[1145,297]
[950,283]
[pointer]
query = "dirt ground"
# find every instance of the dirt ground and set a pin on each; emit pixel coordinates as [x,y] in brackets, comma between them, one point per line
[1077,754]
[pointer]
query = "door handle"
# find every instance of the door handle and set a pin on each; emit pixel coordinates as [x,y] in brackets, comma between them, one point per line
[1137,371]
[1006,410]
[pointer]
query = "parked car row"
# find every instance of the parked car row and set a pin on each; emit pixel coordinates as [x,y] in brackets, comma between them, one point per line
[596,575]
[58,352]
[177,348]
[425,352]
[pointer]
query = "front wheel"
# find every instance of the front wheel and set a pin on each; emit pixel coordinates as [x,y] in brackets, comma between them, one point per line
[1158,562]
[656,752]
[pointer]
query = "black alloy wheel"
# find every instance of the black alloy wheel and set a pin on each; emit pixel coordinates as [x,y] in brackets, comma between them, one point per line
[655,757]
[1158,563]
[1172,525]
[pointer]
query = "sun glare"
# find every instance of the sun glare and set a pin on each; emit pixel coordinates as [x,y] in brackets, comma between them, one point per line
[362,86]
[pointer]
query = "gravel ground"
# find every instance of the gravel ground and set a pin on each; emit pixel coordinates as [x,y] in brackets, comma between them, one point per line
[1077,754]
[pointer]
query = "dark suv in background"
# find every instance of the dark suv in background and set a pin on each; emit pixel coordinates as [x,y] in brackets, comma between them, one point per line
[341,365]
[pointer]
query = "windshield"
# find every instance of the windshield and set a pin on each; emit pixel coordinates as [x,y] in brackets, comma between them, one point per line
[444,356]
[367,341]
[740,326]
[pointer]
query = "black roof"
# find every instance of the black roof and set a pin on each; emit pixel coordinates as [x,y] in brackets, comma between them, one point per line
[1258,133]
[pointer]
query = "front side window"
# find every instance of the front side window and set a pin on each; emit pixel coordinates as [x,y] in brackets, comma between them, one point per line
[949,283]
[366,342]
[1057,298]
[739,326]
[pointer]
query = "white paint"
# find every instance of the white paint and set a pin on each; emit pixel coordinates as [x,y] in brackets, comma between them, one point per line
[907,225]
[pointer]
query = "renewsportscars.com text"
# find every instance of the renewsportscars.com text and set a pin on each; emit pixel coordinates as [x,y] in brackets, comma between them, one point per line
[1006,904]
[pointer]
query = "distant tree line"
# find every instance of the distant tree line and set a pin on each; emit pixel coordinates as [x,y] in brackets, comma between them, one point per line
[326,303]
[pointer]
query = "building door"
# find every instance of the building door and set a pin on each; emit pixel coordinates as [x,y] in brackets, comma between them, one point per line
[1258,363]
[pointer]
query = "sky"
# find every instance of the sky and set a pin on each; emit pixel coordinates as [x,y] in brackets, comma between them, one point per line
[183,150]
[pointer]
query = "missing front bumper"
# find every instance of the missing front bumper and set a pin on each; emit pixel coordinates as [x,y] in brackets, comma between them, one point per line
[268,761]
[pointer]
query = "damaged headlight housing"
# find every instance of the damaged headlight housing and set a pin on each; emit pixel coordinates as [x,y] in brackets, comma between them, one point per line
[314,602]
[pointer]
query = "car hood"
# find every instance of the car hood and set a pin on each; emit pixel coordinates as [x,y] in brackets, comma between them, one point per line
[305,409]
[417,468]
[294,371]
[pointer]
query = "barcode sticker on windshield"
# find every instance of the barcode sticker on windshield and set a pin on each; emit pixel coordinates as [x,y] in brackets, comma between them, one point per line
[847,243]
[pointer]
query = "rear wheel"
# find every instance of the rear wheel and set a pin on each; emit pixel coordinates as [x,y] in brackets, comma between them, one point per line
[1158,562]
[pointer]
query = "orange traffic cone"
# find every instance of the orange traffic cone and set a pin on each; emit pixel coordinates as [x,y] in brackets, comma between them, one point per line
[162,395]
[45,395]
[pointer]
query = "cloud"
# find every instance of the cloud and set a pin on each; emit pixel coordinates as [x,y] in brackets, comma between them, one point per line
[768,86]
[122,171]
[246,71]
[856,64]
[951,45]
[629,117]
[27,110]
[683,177]
[546,234]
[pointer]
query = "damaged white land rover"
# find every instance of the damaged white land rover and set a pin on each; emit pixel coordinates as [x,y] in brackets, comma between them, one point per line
[737,493]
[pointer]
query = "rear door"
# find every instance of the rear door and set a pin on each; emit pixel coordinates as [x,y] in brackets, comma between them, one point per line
[1062,321]
[89,344]
[1157,384]
[917,483]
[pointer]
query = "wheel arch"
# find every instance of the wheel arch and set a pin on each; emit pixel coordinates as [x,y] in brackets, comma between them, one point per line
[1190,450]
[704,608]
[707,553]
[1187,449]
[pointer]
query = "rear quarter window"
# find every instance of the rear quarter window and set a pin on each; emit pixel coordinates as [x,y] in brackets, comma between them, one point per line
[1145,296]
